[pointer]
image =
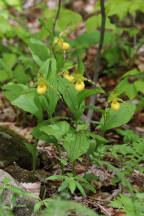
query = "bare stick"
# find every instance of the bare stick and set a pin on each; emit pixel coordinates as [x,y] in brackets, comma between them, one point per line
[57,16]
[97,61]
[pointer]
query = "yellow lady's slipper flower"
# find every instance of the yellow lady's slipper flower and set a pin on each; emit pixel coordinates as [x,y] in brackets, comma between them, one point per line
[68,76]
[79,86]
[42,88]
[115,105]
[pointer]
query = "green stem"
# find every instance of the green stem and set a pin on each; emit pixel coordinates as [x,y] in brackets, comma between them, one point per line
[59,152]
[35,155]
[73,168]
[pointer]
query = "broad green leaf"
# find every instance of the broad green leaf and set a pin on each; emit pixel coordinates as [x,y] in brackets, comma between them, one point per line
[12,90]
[94,22]
[122,86]
[4,25]
[85,40]
[68,18]
[120,117]
[75,144]
[121,8]
[27,103]
[125,87]
[88,92]
[21,96]
[139,84]
[82,127]
[37,133]
[19,74]
[49,100]
[6,68]
[130,91]
[57,130]
[70,97]
[9,60]
[39,51]
[14,3]
[44,69]
[3,75]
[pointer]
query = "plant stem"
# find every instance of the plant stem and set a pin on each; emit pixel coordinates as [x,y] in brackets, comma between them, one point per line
[97,61]
[59,152]
[73,168]
[34,155]
[57,16]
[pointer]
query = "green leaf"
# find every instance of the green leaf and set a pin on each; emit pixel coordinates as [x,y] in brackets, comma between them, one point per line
[26,102]
[9,60]
[4,25]
[70,97]
[86,93]
[81,189]
[85,40]
[41,135]
[75,145]
[97,137]
[72,186]
[29,147]
[64,185]
[81,179]
[132,72]
[130,91]
[3,75]
[22,97]
[68,17]
[139,84]
[82,127]
[94,22]
[12,90]
[19,74]
[89,187]
[55,177]
[21,192]
[39,51]
[53,69]
[6,181]
[44,69]
[57,130]
[13,3]
[120,117]
[37,206]
[81,66]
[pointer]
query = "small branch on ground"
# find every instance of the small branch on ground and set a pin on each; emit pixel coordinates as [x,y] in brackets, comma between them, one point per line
[57,16]
[97,61]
